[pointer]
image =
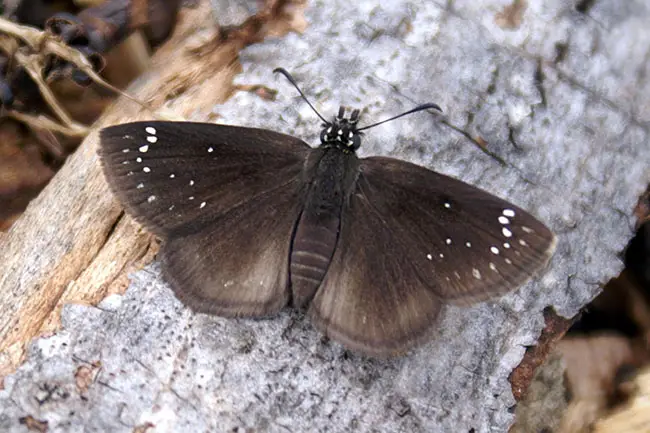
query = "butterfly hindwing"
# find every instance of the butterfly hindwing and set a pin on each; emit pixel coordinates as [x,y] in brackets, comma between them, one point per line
[372,299]
[238,265]
[168,174]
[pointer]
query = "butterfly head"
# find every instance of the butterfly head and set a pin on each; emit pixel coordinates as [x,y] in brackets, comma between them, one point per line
[342,132]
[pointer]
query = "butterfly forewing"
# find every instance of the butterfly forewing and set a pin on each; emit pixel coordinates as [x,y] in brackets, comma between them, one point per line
[169,174]
[464,243]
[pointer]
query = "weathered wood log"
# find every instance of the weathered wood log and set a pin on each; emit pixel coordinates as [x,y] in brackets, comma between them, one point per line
[557,94]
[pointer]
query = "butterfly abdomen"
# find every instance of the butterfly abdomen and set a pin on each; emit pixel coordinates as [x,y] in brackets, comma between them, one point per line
[312,251]
[317,230]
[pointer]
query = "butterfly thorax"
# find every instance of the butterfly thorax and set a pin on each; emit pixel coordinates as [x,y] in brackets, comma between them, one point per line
[342,132]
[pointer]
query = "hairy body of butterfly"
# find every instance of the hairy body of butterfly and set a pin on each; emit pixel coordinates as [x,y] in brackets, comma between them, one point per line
[253,220]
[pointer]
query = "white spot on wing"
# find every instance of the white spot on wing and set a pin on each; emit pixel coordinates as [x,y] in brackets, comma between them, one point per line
[476,273]
[151,198]
[494,250]
[506,245]
[202,205]
[140,186]
[150,130]
[509,213]
[447,205]
[191,182]
[125,151]
[493,266]
[527,229]
[523,243]
[504,220]
[144,148]
[138,159]
[448,241]
[508,261]
[146,169]
[152,139]
[507,233]
[210,150]
[429,256]
[171,176]
[468,244]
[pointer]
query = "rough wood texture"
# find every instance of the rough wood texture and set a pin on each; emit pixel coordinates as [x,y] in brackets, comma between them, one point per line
[560,95]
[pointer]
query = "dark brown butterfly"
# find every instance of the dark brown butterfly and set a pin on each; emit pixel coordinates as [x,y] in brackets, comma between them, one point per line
[253,220]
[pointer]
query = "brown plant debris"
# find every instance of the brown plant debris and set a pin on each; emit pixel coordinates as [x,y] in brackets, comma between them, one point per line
[511,16]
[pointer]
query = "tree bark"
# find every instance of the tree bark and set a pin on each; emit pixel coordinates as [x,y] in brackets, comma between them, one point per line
[560,96]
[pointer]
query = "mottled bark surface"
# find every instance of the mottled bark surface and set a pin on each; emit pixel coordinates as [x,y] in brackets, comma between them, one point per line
[560,95]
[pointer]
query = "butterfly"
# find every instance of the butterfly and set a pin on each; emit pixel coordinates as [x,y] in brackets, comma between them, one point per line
[254,220]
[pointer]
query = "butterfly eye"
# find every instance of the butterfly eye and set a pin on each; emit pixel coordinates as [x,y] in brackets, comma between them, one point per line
[356,141]
[324,135]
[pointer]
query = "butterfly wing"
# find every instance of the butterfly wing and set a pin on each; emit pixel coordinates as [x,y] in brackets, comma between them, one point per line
[224,199]
[238,265]
[467,244]
[372,299]
[167,174]
[412,239]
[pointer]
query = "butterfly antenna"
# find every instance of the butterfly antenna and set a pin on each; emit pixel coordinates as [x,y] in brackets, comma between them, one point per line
[414,110]
[288,76]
